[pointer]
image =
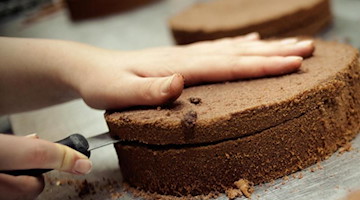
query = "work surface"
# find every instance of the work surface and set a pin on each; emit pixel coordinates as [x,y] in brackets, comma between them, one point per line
[146,27]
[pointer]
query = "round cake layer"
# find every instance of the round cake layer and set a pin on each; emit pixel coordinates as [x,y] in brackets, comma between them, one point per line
[217,112]
[262,157]
[228,18]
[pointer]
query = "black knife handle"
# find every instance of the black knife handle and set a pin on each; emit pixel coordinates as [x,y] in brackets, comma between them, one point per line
[75,141]
[78,142]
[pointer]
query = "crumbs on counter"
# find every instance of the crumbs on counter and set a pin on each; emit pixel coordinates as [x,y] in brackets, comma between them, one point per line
[85,188]
[346,148]
[243,187]
[151,196]
[246,187]
[232,193]
[319,166]
[300,176]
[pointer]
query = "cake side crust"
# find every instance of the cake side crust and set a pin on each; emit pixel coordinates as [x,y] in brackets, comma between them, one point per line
[270,154]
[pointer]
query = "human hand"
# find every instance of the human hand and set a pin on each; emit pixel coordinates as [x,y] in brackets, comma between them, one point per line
[28,153]
[156,76]
[51,71]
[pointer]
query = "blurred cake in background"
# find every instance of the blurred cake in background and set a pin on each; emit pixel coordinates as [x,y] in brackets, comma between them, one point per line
[83,9]
[271,18]
[35,10]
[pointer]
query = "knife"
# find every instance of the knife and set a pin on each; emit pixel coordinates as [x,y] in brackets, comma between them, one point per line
[75,141]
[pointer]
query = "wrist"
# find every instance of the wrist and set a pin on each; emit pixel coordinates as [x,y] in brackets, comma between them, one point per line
[87,70]
[80,67]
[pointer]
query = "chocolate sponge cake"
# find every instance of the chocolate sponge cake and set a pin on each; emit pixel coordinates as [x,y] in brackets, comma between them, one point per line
[84,9]
[258,129]
[271,18]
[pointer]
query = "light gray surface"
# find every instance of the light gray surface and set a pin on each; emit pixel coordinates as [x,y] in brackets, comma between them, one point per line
[147,28]
[4,123]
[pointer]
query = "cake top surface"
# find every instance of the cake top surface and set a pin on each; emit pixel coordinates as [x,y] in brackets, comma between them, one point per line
[227,14]
[220,102]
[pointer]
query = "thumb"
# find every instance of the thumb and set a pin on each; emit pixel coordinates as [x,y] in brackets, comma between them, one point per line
[72,161]
[137,91]
[42,154]
[158,90]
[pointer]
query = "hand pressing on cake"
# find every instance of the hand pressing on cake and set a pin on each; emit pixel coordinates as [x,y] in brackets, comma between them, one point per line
[51,72]
[156,76]
[29,153]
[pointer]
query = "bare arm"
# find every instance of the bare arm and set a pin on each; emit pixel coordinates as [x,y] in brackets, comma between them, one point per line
[35,73]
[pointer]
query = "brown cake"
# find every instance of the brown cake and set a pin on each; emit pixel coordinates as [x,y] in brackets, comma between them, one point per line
[84,9]
[258,129]
[271,18]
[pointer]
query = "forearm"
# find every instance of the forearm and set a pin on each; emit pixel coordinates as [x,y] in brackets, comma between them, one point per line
[35,73]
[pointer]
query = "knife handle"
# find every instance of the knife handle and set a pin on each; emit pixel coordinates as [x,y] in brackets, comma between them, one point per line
[75,141]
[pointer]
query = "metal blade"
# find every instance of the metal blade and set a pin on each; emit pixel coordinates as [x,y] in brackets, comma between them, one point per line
[100,141]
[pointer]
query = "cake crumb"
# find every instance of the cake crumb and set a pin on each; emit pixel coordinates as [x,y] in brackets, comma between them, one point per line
[189,119]
[151,196]
[272,182]
[285,178]
[233,193]
[346,148]
[319,166]
[195,100]
[85,188]
[158,108]
[300,176]
[246,187]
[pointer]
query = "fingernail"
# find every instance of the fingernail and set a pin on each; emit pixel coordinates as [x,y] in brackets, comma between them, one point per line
[305,43]
[289,41]
[33,136]
[253,35]
[293,58]
[165,88]
[82,166]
